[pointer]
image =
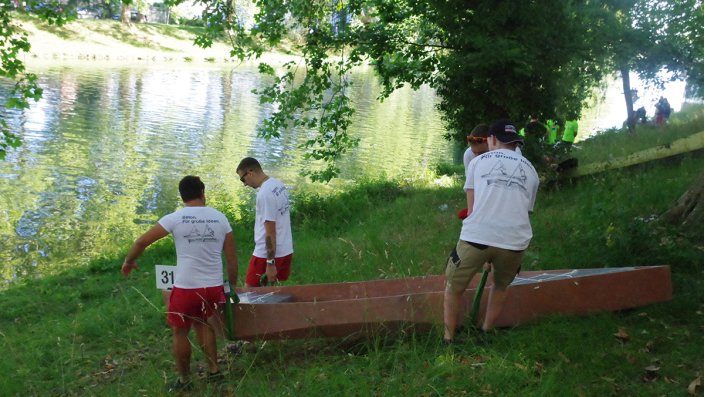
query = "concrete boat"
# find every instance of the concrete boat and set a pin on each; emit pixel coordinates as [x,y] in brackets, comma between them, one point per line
[378,306]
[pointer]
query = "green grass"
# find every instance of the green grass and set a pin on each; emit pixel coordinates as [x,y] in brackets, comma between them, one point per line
[139,35]
[88,331]
[617,143]
[168,39]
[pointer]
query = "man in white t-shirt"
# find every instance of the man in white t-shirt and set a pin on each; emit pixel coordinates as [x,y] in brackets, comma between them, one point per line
[477,145]
[274,246]
[501,188]
[201,235]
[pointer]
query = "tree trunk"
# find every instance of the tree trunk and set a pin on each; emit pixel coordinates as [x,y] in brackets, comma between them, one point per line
[125,13]
[230,13]
[679,146]
[626,86]
[688,210]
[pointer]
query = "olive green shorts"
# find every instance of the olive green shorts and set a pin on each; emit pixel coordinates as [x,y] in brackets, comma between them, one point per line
[466,260]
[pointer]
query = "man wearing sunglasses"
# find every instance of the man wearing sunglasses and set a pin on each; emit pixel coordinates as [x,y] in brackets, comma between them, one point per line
[477,144]
[274,246]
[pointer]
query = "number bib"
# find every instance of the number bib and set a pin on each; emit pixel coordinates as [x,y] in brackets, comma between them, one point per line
[165,276]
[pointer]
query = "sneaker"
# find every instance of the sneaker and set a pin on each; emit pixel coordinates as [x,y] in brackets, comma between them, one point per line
[216,377]
[177,386]
[234,349]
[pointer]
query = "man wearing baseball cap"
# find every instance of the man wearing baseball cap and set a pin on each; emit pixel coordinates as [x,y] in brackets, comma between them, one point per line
[501,188]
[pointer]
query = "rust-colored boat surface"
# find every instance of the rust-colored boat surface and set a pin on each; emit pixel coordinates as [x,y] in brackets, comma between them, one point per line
[372,307]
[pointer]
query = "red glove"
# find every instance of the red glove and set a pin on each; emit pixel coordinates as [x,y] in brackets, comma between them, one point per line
[462,214]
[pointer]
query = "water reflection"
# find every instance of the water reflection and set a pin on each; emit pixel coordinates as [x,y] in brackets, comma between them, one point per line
[104,149]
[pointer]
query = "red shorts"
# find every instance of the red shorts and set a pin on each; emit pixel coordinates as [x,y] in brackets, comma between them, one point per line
[188,304]
[258,267]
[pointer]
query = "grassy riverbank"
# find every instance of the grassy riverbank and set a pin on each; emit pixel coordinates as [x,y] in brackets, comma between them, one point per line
[111,41]
[90,332]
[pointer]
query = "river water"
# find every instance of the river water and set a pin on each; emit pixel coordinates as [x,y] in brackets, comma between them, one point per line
[105,147]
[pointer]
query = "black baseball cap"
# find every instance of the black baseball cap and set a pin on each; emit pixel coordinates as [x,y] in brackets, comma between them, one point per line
[506,132]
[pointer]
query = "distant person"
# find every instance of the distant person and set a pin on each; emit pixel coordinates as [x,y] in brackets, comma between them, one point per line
[501,188]
[569,134]
[552,135]
[477,145]
[663,111]
[274,246]
[640,115]
[535,128]
[201,235]
[534,148]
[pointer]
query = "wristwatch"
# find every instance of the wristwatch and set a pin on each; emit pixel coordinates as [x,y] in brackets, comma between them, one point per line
[270,261]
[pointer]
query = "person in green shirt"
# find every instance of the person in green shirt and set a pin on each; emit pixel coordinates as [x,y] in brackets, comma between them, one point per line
[552,127]
[570,132]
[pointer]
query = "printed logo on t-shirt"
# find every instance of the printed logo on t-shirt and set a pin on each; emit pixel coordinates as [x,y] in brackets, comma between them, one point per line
[499,176]
[282,197]
[200,232]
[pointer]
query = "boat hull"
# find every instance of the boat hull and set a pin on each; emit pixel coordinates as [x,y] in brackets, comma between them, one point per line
[373,307]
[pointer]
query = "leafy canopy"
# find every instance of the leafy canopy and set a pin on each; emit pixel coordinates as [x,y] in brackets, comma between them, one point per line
[486,59]
[12,43]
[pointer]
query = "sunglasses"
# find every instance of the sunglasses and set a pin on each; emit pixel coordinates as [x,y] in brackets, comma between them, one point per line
[476,139]
[242,178]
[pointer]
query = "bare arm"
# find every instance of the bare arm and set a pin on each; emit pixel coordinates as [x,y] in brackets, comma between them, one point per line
[230,257]
[270,230]
[471,199]
[148,238]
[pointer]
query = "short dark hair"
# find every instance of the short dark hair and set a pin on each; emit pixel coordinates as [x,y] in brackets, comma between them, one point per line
[481,130]
[191,187]
[248,163]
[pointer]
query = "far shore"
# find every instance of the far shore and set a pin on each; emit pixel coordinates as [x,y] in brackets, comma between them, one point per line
[87,59]
[95,42]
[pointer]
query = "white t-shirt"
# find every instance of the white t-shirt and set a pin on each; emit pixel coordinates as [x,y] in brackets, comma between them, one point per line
[505,186]
[199,233]
[467,156]
[273,205]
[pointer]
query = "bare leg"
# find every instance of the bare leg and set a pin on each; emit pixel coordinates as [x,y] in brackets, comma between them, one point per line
[166,295]
[451,308]
[494,307]
[206,337]
[181,348]
[217,322]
